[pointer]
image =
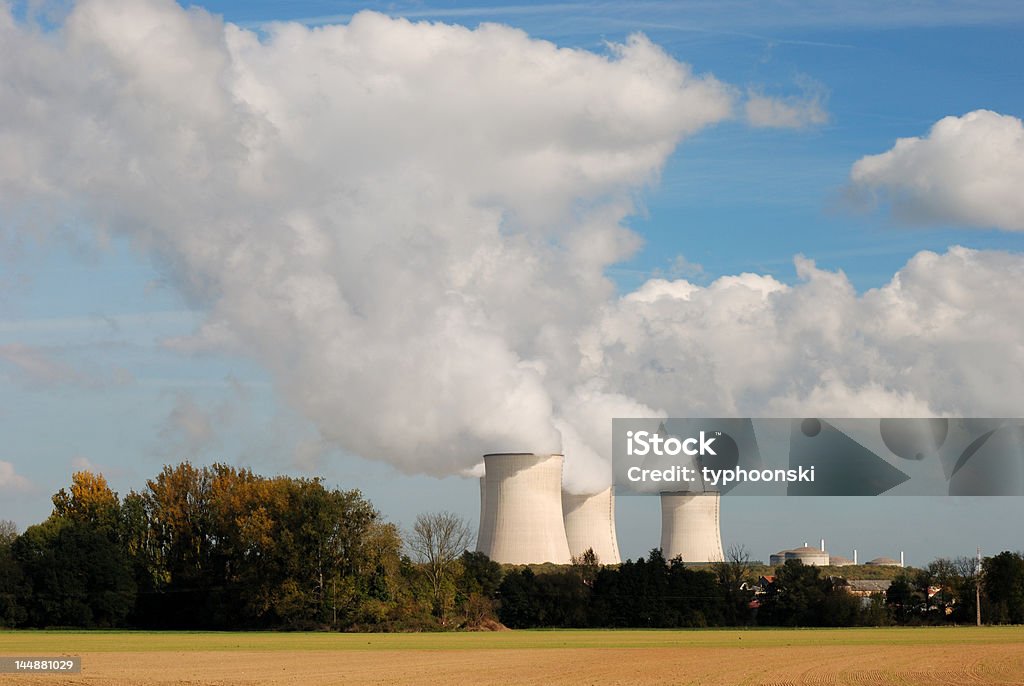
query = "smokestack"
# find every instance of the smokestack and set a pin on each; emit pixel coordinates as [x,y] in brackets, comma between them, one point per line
[823,545]
[522,509]
[690,526]
[590,523]
[854,556]
[901,559]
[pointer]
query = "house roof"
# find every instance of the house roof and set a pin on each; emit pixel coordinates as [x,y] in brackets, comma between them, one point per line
[869,585]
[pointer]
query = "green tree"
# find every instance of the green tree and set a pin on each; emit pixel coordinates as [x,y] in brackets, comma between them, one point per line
[942,573]
[137,541]
[8,532]
[178,505]
[76,576]
[795,597]
[480,574]
[1003,587]
[12,582]
[520,599]
[437,542]
[904,598]
[733,574]
[586,565]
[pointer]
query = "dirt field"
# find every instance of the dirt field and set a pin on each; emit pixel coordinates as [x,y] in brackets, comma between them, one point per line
[777,657]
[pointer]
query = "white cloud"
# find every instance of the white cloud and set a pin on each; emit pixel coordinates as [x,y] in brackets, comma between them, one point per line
[785,113]
[942,337]
[191,428]
[43,367]
[403,222]
[11,481]
[967,171]
[83,463]
[789,112]
[408,226]
[35,366]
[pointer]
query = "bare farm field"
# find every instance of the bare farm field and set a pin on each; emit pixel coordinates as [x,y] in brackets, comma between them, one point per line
[964,655]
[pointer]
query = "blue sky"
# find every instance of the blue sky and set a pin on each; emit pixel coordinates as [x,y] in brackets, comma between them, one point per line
[732,198]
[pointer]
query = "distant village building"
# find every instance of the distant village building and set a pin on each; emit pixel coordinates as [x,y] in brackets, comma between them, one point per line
[865,588]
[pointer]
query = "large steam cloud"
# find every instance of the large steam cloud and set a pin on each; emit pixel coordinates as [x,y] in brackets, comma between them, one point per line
[405,223]
[943,336]
[408,225]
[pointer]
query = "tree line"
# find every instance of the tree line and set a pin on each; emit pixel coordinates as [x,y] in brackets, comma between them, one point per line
[220,547]
[659,593]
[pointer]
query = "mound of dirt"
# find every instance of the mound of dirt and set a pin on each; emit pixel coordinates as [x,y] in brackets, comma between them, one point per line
[487,625]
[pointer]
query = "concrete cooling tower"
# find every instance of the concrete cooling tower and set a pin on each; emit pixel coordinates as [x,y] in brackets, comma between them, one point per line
[521,509]
[483,542]
[690,527]
[590,523]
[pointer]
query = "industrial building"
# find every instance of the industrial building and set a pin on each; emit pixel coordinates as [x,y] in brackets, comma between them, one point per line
[818,557]
[809,556]
[885,562]
[821,557]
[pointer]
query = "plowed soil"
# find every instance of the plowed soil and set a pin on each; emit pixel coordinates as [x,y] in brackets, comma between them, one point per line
[770,657]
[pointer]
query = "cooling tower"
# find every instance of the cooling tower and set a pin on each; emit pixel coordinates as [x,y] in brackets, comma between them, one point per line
[521,521]
[590,523]
[483,541]
[690,528]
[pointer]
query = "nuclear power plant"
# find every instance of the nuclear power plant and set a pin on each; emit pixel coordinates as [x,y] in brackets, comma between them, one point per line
[527,518]
[819,557]
[590,524]
[690,526]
